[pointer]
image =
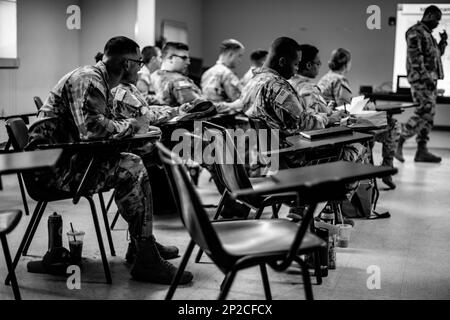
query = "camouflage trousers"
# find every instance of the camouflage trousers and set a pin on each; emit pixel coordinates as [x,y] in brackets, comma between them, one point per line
[389,140]
[422,121]
[127,174]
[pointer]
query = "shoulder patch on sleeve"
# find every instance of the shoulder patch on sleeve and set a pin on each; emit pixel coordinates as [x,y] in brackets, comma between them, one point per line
[183,84]
[120,94]
[281,96]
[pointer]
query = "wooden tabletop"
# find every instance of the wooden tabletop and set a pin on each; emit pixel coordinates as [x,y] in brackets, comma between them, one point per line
[31,160]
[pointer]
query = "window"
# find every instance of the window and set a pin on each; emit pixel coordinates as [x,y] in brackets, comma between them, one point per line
[8,34]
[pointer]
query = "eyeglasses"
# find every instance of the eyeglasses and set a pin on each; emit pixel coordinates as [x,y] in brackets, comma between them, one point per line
[140,62]
[184,58]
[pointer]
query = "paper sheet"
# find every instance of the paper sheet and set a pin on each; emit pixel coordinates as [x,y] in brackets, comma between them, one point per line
[357,105]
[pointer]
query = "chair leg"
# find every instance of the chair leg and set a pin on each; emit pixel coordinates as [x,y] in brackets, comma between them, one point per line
[35,226]
[25,239]
[22,192]
[265,280]
[259,212]
[110,201]
[113,224]
[100,240]
[317,268]
[105,219]
[306,279]
[275,209]
[216,217]
[176,279]
[14,284]
[226,285]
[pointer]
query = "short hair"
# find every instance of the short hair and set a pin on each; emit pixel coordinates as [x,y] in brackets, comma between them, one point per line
[174,46]
[148,53]
[230,45]
[309,53]
[119,46]
[284,47]
[431,10]
[339,58]
[98,57]
[258,55]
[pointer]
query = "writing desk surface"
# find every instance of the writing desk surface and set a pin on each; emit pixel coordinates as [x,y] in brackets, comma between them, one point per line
[299,143]
[317,177]
[30,160]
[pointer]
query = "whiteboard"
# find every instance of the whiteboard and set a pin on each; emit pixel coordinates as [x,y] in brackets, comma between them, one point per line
[8,29]
[407,16]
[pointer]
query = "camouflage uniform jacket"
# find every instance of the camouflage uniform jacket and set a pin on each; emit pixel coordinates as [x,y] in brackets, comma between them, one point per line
[248,76]
[78,108]
[423,54]
[310,93]
[128,102]
[220,84]
[269,97]
[335,87]
[174,89]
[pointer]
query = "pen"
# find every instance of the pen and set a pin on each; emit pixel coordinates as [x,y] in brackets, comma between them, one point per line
[345,109]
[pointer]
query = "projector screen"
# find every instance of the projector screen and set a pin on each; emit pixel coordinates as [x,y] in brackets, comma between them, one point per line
[8,33]
[407,16]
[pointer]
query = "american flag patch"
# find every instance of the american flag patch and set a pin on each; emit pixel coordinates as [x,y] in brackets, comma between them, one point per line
[120,94]
[281,97]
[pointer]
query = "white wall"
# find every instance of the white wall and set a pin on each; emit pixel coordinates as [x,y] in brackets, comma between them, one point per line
[187,11]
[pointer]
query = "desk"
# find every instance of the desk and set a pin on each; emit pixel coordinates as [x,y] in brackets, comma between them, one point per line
[300,144]
[24,116]
[386,96]
[395,108]
[315,182]
[26,161]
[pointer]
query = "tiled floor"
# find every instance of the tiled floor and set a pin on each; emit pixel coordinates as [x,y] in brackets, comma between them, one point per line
[411,249]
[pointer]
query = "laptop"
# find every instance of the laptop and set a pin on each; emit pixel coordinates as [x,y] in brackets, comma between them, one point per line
[403,86]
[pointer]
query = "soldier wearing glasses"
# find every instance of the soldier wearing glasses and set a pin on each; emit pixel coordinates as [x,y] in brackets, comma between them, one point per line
[172,86]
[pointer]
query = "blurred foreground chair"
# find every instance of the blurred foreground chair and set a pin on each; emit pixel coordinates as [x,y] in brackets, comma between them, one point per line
[239,244]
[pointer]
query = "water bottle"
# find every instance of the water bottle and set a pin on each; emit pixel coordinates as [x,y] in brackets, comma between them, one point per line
[328,216]
[55,227]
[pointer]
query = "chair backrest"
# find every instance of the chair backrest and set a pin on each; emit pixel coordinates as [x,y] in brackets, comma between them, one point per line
[17,132]
[38,102]
[233,175]
[193,215]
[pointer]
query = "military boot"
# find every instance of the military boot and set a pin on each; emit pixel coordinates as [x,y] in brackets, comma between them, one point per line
[166,252]
[423,155]
[150,267]
[399,152]
[388,180]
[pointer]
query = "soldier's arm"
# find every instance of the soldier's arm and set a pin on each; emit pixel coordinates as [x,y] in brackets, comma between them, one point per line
[232,86]
[93,116]
[442,45]
[160,114]
[185,91]
[142,86]
[342,92]
[416,57]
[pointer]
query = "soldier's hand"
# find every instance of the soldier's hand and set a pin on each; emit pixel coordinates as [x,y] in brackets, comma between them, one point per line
[336,116]
[443,35]
[222,107]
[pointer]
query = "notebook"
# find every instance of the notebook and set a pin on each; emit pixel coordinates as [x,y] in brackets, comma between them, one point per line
[357,105]
[325,133]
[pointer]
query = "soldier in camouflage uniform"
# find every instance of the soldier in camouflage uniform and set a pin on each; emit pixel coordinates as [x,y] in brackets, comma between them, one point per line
[424,67]
[257,59]
[81,109]
[172,86]
[152,62]
[336,91]
[219,83]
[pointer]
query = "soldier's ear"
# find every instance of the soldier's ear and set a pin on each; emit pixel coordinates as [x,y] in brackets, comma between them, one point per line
[282,62]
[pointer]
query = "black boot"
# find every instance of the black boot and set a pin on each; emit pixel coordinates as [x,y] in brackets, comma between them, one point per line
[166,252]
[423,155]
[399,152]
[388,180]
[150,267]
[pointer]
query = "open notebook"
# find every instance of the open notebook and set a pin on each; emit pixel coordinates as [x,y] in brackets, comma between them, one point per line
[357,105]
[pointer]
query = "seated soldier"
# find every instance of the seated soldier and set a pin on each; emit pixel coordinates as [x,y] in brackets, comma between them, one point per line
[219,83]
[152,62]
[172,86]
[271,98]
[336,91]
[80,103]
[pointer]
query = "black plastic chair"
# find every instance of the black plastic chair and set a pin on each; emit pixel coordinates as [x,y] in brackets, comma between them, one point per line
[18,143]
[38,102]
[276,242]
[43,195]
[8,221]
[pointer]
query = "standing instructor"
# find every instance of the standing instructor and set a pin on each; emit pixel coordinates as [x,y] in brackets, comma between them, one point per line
[424,67]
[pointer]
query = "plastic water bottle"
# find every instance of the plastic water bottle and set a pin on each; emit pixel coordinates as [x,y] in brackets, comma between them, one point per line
[328,216]
[55,227]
